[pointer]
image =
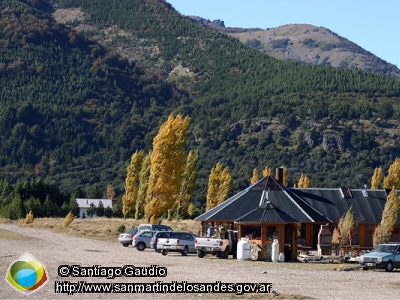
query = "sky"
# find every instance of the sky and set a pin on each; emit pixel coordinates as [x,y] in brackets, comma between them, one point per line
[373,25]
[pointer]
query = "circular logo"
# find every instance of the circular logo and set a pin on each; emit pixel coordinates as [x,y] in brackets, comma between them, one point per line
[26,274]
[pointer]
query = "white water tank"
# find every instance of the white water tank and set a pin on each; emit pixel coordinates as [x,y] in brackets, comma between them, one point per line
[275,251]
[281,257]
[243,249]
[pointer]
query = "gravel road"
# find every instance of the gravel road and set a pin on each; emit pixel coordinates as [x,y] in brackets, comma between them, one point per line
[288,279]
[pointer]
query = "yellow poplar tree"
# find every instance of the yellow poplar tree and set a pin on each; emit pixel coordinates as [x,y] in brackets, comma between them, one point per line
[376,178]
[110,192]
[219,186]
[346,223]
[393,178]
[383,231]
[132,182]
[143,185]
[254,179]
[188,183]
[267,171]
[285,182]
[167,166]
[304,181]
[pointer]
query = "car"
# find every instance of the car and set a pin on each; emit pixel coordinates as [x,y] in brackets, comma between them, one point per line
[141,240]
[156,236]
[126,238]
[182,242]
[154,227]
[384,256]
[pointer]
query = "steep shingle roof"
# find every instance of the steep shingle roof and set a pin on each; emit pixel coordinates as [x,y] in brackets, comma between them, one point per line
[266,213]
[300,204]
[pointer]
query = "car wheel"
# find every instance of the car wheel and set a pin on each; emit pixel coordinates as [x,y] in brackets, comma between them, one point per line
[200,254]
[164,252]
[141,246]
[125,245]
[365,268]
[185,251]
[389,266]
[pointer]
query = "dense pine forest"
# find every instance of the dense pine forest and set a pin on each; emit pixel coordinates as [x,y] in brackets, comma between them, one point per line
[73,109]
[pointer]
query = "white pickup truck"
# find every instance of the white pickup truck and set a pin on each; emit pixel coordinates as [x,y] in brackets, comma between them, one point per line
[220,243]
[182,242]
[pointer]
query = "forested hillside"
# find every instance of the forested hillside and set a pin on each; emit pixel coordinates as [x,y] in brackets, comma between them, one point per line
[78,99]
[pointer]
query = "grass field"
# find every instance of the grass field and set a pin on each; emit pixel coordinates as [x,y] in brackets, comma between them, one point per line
[98,228]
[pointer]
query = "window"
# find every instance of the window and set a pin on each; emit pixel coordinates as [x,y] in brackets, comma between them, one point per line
[252,232]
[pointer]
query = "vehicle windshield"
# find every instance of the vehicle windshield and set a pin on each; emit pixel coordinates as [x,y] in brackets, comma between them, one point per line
[385,248]
[144,227]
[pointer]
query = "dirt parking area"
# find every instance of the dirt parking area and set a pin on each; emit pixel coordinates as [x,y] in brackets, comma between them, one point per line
[289,280]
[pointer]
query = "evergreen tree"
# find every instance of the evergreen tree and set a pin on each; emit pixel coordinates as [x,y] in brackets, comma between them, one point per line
[49,209]
[376,178]
[132,182]
[383,231]
[95,193]
[167,167]
[219,186]
[100,209]
[78,193]
[33,205]
[91,210]
[64,209]
[108,212]
[254,179]
[393,178]
[17,209]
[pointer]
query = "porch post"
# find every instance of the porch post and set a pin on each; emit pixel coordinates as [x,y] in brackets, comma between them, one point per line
[262,241]
[281,238]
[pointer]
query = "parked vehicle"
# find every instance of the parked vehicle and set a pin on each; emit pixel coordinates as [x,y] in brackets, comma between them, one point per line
[156,236]
[154,227]
[182,242]
[219,242]
[142,239]
[126,238]
[384,256]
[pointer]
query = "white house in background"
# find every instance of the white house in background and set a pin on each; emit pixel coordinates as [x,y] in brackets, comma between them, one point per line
[84,204]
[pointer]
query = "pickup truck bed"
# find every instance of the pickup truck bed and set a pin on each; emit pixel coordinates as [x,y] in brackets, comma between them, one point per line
[182,242]
[220,244]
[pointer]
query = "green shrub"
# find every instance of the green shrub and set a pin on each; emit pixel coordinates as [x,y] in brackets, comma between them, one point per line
[121,228]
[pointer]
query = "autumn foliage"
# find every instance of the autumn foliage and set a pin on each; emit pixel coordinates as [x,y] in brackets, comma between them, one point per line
[219,186]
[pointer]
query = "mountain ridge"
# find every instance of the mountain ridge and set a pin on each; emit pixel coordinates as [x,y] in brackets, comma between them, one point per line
[306,44]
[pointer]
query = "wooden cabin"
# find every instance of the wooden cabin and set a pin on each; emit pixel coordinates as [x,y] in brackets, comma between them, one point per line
[268,210]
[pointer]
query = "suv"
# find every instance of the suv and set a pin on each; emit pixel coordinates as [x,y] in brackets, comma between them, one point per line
[154,227]
[384,256]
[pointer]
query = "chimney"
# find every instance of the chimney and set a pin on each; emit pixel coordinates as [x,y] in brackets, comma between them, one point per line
[279,175]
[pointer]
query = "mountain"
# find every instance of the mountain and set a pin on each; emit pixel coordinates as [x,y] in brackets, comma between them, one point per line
[84,84]
[307,44]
